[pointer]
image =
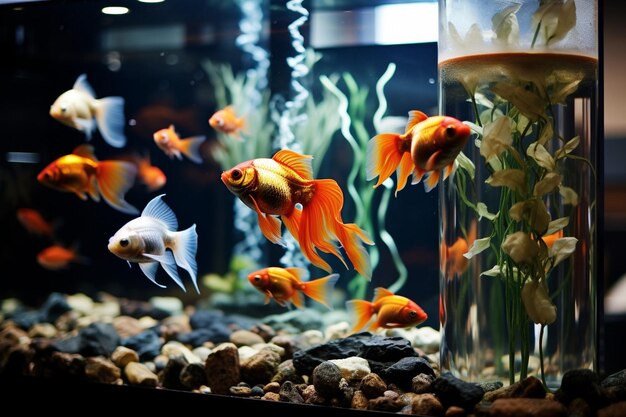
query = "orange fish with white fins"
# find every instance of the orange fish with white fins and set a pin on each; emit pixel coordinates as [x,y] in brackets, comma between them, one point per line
[82,174]
[273,187]
[392,311]
[428,145]
[286,285]
[169,142]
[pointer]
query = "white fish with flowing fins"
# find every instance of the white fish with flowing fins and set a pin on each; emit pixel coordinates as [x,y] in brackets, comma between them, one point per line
[146,240]
[79,108]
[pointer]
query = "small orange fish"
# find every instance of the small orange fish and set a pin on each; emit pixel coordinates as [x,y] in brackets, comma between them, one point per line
[273,187]
[57,257]
[285,285]
[34,222]
[226,121]
[455,263]
[392,311]
[82,174]
[551,238]
[169,142]
[152,176]
[429,145]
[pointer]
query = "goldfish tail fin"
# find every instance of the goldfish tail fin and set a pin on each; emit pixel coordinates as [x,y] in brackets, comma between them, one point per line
[149,269]
[404,170]
[185,250]
[362,311]
[168,263]
[352,238]
[318,225]
[321,289]
[292,222]
[114,179]
[432,178]
[384,155]
[110,120]
[191,148]
[297,299]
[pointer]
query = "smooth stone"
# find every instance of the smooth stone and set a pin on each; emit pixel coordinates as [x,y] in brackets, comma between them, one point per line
[122,356]
[245,338]
[139,374]
[526,407]
[530,387]
[426,405]
[337,331]
[127,326]
[326,377]
[99,369]
[271,396]
[403,371]
[170,375]
[171,305]
[238,391]
[421,383]
[372,386]
[352,368]
[359,400]
[45,330]
[146,344]
[287,372]
[201,352]
[260,368]
[80,302]
[173,348]
[453,391]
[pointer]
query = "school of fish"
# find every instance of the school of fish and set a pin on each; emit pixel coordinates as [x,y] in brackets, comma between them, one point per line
[280,190]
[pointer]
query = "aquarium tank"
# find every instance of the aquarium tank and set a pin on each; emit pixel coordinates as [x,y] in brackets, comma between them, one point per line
[211,197]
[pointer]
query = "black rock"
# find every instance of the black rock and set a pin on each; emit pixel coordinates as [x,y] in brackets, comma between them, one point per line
[580,383]
[257,391]
[97,339]
[147,344]
[26,319]
[170,375]
[403,371]
[490,385]
[139,309]
[289,393]
[217,333]
[453,391]
[194,375]
[299,320]
[202,319]
[380,351]
[615,380]
[53,308]
[326,378]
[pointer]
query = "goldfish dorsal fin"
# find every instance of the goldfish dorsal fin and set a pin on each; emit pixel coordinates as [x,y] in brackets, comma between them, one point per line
[380,293]
[415,116]
[85,151]
[82,85]
[157,209]
[299,273]
[298,162]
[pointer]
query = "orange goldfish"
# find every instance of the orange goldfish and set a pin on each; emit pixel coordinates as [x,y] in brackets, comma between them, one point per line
[82,174]
[428,145]
[79,108]
[551,238]
[173,146]
[152,176]
[455,262]
[57,257]
[285,285]
[273,187]
[392,311]
[226,121]
[34,222]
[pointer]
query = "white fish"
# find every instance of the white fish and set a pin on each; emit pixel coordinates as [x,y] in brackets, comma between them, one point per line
[146,240]
[79,108]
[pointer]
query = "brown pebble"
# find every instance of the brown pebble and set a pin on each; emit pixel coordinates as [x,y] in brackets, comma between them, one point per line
[427,405]
[271,396]
[101,370]
[222,368]
[359,400]
[613,410]
[455,411]
[122,356]
[372,385]
[579,408]
[530,387]
[391,394]
[526,407]
[139,374]
[272,387]
[385,404]
[240,391]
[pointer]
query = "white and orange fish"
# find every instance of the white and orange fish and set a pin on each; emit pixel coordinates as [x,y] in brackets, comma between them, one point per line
[226,121]
[33,221]
[452,256]
[285,285]
[152,240]
[392,311]
[82,174]
[274,187]
[58,257]
[79,108]
[169,142]
[152,176]
[428,145]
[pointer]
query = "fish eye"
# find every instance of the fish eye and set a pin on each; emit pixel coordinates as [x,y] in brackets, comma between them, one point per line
[220,122]
[237,174]
[450,130]
[412,314]
[257,278]
[63,109]
[124,242]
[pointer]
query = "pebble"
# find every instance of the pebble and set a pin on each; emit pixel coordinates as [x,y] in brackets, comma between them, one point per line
[372,386]
[527,407]
[45,330]
[352,368]
[271,396]
[139,374]
[359,400]
[272,387]
[326,377]
[222,368]
[173,348]
[122,356]
[245,338]
[99,369]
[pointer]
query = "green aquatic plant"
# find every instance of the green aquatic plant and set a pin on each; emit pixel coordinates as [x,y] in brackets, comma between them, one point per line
[353,111]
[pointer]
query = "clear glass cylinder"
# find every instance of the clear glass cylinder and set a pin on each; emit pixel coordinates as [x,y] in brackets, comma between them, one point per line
[518,235]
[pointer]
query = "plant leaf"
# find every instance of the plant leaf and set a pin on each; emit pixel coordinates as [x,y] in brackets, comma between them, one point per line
[482,210]
[568,148]
[556,225]
[514,179]
[466,163]
[562,248]
[477,247]
[569,195]
[493,272]
[539,153]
